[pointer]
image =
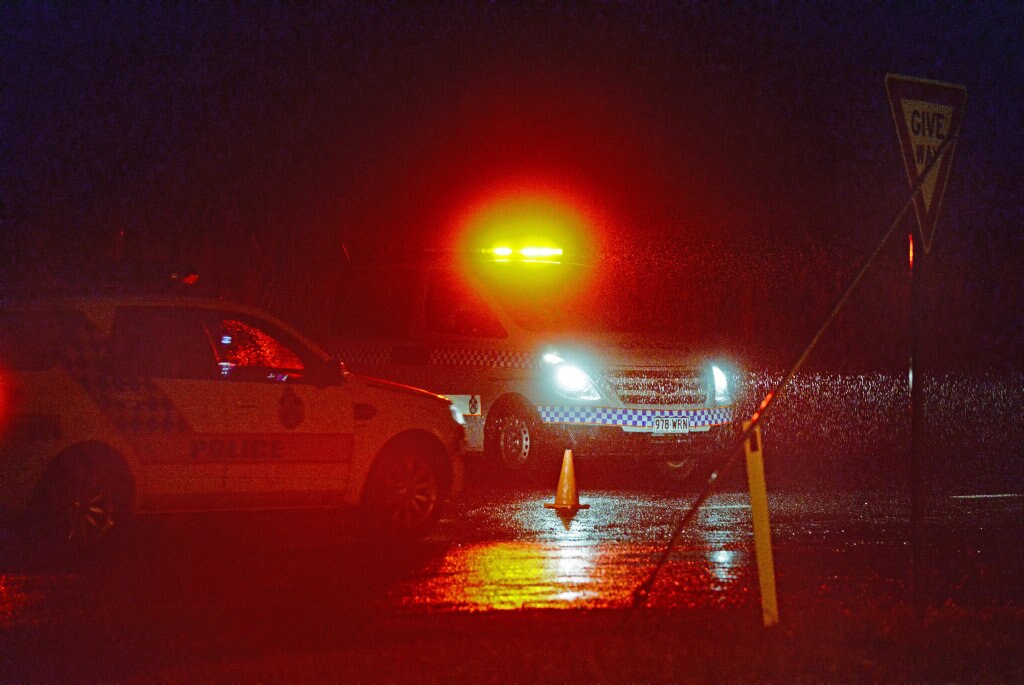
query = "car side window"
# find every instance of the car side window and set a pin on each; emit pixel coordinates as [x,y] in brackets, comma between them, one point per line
[160,342]
[452,308]
[246,350]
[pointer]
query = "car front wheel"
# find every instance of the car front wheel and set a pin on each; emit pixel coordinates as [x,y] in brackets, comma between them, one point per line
[404,494]
[79,505]
[515,438]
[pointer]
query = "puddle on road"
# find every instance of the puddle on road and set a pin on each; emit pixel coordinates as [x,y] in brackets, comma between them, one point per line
[545,574]
[26,599]
[596,559]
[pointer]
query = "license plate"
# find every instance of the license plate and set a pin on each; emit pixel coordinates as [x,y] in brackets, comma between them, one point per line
[677,424]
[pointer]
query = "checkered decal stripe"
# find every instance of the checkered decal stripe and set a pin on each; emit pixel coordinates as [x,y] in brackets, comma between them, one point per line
[635,418]
[370,355]
[363,355]
[498,358]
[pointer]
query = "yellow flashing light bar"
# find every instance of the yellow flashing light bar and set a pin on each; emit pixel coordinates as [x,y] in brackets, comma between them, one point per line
[527,254]
[536,252]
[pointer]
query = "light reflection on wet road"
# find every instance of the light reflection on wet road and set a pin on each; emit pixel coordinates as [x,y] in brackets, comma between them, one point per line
[594,559]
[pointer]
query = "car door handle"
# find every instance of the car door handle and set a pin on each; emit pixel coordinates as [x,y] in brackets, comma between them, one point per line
[244,405]
[364,412]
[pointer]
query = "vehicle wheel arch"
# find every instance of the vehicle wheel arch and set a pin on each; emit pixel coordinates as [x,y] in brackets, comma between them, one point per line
[415,439]
[408,512]
[509,402]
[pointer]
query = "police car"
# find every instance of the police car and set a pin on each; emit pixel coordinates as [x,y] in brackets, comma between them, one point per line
[112,406]
[523,344]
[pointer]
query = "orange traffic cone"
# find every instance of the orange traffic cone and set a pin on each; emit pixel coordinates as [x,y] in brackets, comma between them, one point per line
[566,498]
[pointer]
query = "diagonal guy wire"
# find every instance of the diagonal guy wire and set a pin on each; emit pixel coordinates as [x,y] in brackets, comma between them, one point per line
[729,461]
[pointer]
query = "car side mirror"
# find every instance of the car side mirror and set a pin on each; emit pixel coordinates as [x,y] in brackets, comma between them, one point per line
[327,373]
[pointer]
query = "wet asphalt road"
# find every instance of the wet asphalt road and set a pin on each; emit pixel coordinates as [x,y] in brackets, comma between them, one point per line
[205,587]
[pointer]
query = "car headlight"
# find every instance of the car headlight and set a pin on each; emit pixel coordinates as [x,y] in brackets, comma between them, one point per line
[574,383]
[721,380]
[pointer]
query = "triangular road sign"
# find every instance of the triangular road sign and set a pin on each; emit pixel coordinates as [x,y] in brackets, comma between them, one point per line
[927,115]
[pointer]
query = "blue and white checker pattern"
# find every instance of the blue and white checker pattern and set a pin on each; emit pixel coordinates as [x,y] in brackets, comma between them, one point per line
[508,359]
[633,418]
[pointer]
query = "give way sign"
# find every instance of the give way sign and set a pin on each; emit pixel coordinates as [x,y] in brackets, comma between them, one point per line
[928,116]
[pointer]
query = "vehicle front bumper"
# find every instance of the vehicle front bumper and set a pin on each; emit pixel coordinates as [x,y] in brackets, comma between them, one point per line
[625,431]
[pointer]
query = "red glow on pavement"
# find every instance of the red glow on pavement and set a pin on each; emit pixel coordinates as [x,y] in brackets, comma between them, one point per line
[568,565]
[555,574]
[24,597]
[10,598]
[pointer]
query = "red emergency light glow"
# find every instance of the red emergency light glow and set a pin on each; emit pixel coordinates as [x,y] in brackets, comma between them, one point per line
[528,221]
[911,236]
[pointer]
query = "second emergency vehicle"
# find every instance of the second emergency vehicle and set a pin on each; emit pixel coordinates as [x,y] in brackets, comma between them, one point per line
[528,350]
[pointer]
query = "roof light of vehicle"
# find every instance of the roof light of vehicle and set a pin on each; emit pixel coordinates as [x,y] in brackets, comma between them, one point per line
[721,385]
[532,253]
[551,358]
[540,252]
[572,382]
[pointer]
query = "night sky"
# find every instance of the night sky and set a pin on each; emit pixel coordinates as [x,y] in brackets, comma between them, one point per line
[237,134]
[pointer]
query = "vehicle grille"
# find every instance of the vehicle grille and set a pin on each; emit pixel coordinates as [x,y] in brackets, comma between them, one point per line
[658,385]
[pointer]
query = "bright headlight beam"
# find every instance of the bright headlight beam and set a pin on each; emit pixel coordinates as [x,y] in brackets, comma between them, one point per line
[721,384]
[574,383]
[572,378]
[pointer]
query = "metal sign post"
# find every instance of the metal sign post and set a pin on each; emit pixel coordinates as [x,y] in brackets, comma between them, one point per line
[928,115]
[753,447]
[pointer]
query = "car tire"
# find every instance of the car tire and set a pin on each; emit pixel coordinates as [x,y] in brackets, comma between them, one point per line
[80,504]
[515,439]
[404,493]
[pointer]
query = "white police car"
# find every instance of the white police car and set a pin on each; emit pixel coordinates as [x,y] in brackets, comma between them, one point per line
[526,348]
[113,406]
